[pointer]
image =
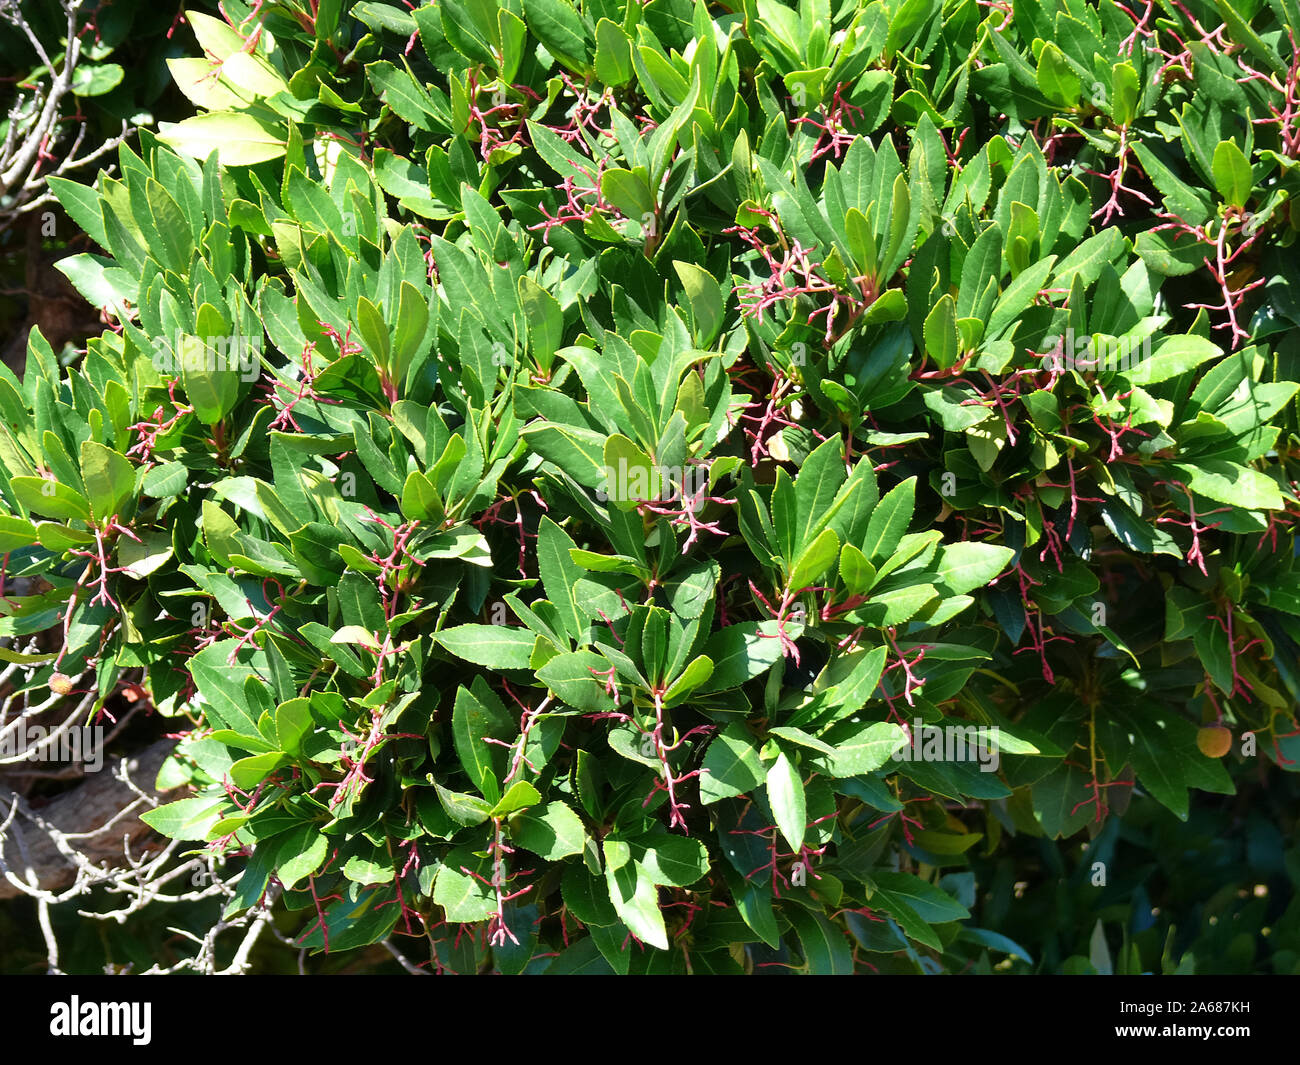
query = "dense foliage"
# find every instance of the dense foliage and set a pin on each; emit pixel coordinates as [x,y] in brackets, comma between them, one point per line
[550,462]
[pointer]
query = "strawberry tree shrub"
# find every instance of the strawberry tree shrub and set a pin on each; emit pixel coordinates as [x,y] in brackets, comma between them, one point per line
[570,473]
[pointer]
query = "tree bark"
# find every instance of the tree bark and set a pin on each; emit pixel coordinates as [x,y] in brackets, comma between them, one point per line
[88,808]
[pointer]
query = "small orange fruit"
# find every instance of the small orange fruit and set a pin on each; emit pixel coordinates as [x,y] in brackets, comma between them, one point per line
[1214,741]
[60,683]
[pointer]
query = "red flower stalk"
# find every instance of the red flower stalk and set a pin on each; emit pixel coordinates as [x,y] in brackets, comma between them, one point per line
[1277,747]
[1220,267]
[1240,686]
[259,623]
[782,615]
[1075,500]
[150,430]
[1096,786]
[362,748]
[574,209]
[1140,30]
[396,564]
[492,516]
[834,136]
[306,378]
[317,899]
[582,115]
[1114,432]
[526,722]
[1287,116]
[1039,632]
[609,683]
[1195,555]
[911,682]
[489,136]
[771,418]
[796,275]
[686,510]
[1115,179]
[497,929]
[772,836]
[1276,520]
[99,558]
[668,781]
[903,818]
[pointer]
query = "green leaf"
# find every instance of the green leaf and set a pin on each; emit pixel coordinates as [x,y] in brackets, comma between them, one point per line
[932,904]
[967,565]
[49,497]
[559,575]
[557,25]
[409,333]
[477,716]
[866,748]
[552,831]
[670,860]
[239,139]
[545,320]
[146,555]
[942,343]
[856,572]
[1166,758]
[210,381]
[465,899]
[293,724]
[825,949]
[166,480]
[570,676]
[742,652]
[908,920]
[248,773]
[109,479]
[816,559]
[98,279]
[1057,79]
[817,494]
[731,765]
[495,646]
[627,191]
[630,474]
[404,96]
[786,795]
[363,871]
[613,54]
[704,297]
[467,810]
[635,899]
[301,852]
[1231,483]
[1173,356]
[1232,177]
[374,331]
[520,796]
[15,533]
[889,522]
[185,819]
[558,154]
[96,79]
[696,673]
